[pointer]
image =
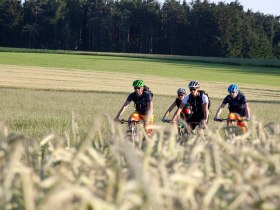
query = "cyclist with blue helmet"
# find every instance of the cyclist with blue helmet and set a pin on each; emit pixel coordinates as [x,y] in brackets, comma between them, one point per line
[237,103]
[143,101]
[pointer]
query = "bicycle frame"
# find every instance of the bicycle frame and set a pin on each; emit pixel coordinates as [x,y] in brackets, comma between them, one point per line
[183,129]
[235,124]
[132,128]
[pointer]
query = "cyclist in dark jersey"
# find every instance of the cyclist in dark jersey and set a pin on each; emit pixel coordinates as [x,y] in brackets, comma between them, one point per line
[237,103]
[143,104]
[186,112]
[199,106]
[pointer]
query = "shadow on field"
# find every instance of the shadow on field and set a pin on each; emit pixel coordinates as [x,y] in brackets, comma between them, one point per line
[225,66]
[264,102]
[275,71]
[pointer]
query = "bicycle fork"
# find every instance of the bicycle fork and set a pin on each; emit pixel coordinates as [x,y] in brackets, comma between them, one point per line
[132,131]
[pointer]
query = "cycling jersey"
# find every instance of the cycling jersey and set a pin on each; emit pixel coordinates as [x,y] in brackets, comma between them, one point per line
[141,102]
[236,105]
[196,103]
[186,112]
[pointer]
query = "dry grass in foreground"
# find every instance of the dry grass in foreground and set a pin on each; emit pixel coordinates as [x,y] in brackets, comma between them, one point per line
[104,171]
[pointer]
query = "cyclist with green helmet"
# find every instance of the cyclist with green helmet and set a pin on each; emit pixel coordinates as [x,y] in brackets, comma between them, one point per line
[143,104]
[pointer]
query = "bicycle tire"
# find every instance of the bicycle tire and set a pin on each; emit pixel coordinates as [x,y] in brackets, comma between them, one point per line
[132,132]
[232,130]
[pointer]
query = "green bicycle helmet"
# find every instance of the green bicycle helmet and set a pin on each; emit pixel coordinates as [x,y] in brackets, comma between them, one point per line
[138,83]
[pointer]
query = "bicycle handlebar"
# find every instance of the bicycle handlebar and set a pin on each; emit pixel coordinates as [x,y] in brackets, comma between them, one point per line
[230,120]
[190,123]
[167,121]
[123,121]
[221,120]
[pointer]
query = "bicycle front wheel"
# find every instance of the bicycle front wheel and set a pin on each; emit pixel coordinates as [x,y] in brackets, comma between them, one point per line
[232,131]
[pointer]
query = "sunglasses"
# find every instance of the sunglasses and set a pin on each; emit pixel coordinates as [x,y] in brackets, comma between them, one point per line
[232,92]
[137,88]
[180,94]
[192,89]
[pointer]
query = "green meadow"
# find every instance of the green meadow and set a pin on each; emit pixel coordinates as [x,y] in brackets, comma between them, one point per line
[149,66]
[39,112]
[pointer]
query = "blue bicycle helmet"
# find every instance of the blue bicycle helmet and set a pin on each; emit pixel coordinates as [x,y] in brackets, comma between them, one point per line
[232,88]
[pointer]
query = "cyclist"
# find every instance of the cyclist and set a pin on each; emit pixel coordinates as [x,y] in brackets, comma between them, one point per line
[143,103]
[198,102]
[237,105]
[186,112]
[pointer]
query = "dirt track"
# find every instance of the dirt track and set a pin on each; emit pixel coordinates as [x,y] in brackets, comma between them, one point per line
[61,79]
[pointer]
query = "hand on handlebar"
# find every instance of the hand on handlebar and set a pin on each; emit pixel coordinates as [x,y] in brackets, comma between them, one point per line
[202,124]
[216,119]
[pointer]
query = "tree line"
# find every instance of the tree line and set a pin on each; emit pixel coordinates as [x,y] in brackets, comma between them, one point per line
[198,28]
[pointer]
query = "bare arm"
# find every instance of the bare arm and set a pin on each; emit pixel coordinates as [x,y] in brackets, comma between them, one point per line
[206,112]
[169,110]
[150,110]
[247,110]
[123,108]
[219,111]
[177,113]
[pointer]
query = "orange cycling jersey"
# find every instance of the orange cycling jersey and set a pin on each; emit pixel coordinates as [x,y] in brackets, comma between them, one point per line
[136,116]
[240,121]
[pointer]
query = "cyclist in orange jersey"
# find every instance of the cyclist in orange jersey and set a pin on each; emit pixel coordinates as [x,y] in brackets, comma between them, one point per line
[237,105]
[143,101]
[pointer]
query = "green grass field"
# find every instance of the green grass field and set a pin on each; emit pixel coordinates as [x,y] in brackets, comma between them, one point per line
[38,113]
[156,67]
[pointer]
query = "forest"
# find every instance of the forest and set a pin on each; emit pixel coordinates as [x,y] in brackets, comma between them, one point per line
[172,27]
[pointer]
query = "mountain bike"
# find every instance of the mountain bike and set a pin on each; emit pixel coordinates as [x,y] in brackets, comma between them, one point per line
[184,130]
[132,128]
[235,125]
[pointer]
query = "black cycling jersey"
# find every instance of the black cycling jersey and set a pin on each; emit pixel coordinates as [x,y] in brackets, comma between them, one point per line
[236,105]
[141,102]
[196,103]
[178,102]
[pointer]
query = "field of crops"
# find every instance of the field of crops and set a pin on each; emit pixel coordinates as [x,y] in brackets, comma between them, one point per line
[102,170]
[59,148]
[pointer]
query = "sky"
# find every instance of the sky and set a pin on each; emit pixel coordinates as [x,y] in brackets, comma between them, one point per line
[271,7]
